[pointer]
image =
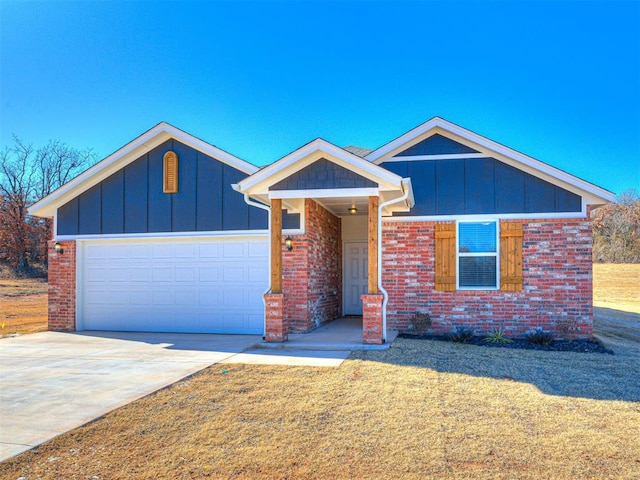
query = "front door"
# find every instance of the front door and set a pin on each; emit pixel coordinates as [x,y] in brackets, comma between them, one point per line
[355,276]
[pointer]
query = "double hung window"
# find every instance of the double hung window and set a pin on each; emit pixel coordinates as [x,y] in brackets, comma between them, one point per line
[477,255]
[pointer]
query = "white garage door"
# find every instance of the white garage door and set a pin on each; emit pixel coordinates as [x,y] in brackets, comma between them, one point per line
[207,285]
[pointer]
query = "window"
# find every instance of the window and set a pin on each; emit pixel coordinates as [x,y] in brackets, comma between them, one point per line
[477,255]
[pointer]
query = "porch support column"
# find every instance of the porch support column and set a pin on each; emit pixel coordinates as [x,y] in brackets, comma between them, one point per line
[276,329]
[372,302]
[372,235]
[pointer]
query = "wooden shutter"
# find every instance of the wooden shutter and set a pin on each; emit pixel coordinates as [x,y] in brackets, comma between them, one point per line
[446,257]
[511,256]
[170,174]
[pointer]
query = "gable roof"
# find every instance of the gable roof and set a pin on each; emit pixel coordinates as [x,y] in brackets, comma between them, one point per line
[146,142]
[259,182]
[386,184]
[592,193]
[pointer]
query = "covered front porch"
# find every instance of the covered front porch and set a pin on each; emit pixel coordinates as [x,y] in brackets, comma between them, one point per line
[310,279]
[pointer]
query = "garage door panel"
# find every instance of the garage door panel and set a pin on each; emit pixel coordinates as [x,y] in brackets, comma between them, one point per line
[200,286]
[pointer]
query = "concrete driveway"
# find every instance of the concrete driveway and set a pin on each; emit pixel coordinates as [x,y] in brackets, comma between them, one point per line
[53,382]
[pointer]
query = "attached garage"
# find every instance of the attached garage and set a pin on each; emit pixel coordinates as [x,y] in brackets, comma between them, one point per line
[196,285]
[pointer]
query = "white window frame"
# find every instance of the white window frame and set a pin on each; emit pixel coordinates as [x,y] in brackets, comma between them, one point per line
[495,254]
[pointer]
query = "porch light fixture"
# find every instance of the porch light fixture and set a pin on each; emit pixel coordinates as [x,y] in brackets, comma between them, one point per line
[58,248]
[353,210]
[288,243]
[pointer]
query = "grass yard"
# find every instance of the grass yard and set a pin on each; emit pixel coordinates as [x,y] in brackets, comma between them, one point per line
[23,305]
[423,409]
[617,286]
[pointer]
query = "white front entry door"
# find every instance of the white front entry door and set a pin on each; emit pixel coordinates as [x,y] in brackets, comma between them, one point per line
[355,276]
[196,285]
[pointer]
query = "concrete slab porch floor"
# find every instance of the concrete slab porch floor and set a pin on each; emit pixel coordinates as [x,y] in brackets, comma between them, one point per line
[340,334]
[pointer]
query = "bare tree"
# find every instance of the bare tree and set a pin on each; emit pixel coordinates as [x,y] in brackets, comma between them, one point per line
[616,230]
[26,175]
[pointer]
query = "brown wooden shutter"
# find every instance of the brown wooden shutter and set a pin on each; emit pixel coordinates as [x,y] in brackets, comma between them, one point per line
[511,256]
[170,176]
[446,257]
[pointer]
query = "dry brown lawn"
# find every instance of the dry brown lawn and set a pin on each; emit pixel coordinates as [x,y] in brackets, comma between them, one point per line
[23,305]
[422,409]
[617,286]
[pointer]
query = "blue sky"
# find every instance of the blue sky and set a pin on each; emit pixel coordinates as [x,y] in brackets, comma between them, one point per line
[559,81]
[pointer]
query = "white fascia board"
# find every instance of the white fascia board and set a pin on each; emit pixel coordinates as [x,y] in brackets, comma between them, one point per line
[146,142]
[260,182]
[490,148]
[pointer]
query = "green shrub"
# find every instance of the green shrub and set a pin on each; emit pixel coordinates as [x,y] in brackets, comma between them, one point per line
[461,334]
[540,337]
[420,322]
[497,336]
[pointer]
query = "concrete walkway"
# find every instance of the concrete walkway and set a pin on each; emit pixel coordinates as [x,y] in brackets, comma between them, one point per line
[53,382]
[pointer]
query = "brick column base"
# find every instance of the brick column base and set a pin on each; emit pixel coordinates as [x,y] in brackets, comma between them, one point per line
[276,329]
[62,287]
[372,319]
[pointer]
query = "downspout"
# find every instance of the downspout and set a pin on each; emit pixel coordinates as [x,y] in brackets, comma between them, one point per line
[248,201]
[385,295]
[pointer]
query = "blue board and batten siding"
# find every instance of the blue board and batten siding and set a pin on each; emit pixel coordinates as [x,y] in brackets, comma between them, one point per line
[132,201]
[323,174]
[474,186]
[479,186]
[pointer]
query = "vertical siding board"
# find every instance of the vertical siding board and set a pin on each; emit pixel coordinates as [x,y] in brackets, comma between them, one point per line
[112,203]
[509,188]
[159,206]
[183,209]
[235,212]
[539,195]
[449,187]
[567,201]
[89,211]
[258,219]
[480,190]
[445,253]
[68,218]
[135,196]
[425,194]
[209,194]
[289,220]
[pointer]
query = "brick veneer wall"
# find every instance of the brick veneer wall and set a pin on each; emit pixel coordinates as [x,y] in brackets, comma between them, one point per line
[62,287]
[556,294]
[312,272]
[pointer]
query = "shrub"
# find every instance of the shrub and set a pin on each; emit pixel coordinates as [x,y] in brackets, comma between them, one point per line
[461,334]
[497,336]
[420,322]
[540,337]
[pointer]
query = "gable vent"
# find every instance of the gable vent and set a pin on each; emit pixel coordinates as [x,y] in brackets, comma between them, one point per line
[170,177]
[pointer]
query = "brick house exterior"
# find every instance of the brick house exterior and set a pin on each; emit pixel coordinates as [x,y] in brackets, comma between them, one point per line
[439,220]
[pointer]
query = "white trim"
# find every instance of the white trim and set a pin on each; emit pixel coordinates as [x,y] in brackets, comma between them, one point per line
[126,155]
[499,216]
[495,254]
[80,254]
[324,193]
[170,235]
[478,142]
[452,156]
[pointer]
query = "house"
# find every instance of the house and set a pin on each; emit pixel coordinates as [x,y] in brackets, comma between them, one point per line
[172,234]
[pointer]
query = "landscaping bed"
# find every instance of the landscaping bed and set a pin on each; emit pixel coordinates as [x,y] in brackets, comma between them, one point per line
[587,346]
